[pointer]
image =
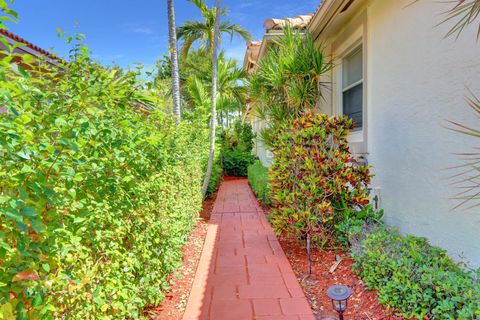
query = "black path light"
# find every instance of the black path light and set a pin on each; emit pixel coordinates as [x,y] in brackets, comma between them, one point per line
[339,295]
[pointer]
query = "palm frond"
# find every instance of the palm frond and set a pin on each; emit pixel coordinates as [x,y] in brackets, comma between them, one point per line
[469,179]
[465,12]
[286,82]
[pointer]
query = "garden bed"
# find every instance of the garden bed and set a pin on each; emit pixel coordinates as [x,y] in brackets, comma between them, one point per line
[363,305]
[175,302]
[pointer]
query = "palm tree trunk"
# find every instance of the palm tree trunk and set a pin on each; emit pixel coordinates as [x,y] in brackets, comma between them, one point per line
[213,115]
[172,38]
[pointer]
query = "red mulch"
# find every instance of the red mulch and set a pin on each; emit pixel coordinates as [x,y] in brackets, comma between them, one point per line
[175,302]
[363,304]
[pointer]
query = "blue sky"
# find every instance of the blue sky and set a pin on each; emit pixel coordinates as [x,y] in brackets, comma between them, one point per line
[127,32]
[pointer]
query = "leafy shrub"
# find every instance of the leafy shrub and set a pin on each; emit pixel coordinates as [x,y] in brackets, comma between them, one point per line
[236,162]
[415,278]
[258,179]
[316,183]
[237,149]
[217,173]
[96,197]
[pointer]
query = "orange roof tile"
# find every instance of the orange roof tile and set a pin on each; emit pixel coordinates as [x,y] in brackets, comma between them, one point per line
[297,22]
[28,44]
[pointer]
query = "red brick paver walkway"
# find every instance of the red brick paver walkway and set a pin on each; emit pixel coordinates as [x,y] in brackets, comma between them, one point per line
[243,272]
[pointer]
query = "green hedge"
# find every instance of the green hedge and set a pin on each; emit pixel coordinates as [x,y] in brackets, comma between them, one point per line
[237,144]
[96,197]
[236,162]
[258,179]
[417,279]
[217,174]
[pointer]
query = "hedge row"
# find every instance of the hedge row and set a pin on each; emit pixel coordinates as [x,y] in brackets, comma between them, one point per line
[415,278]
[258,179]
[96,197]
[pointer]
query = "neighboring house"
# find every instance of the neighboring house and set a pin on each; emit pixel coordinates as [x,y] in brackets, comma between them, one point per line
[26,48]
[399,78]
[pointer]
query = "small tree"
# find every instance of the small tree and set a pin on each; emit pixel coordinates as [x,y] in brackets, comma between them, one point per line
[318,189]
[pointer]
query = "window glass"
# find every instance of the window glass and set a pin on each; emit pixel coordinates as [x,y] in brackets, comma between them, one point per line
[353,68]
[352,80]
[353,105]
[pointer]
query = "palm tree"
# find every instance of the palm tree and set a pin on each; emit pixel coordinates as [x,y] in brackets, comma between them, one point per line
[287,81]
[213,122]
[172,38]
[231,91]
[191,31]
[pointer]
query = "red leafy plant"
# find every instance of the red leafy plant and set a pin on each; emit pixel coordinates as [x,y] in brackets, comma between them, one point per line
[319,190]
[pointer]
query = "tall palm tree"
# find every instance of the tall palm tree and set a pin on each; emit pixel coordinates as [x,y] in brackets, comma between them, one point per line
[213,122]
[191,31]
[172,38]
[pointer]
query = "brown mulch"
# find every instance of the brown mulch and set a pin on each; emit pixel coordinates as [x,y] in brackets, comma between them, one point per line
[175,302]
[363,304]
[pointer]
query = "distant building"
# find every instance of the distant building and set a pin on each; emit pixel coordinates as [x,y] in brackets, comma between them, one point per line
[27,48]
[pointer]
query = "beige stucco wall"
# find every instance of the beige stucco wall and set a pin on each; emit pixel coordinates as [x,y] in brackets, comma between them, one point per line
[259,148]
[415,80]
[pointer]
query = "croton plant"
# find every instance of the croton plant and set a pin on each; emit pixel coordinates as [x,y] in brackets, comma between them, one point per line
[319,190]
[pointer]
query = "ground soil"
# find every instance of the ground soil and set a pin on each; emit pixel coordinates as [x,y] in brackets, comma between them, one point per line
[173,306]
[362,305]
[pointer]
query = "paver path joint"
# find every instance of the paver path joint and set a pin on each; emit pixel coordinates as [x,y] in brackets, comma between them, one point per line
[243,272]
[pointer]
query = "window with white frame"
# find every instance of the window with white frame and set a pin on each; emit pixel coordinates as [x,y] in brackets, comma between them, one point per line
[352,87]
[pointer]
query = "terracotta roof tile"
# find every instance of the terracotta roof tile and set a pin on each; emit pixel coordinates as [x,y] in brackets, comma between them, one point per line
[30,45]
[297,22]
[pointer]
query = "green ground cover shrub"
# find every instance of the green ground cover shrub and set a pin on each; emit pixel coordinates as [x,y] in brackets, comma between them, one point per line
[237,145]
[96,196]
[258,179]
[217,174]
[317,187]
[412,276]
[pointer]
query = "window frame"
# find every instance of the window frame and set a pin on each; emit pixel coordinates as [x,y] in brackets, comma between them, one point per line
[357,47]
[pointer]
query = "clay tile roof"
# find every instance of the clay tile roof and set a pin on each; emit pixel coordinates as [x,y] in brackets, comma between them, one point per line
[28,44]
[297,22]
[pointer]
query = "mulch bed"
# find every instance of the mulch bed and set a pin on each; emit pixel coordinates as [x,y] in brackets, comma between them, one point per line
[175,302]
[363,304]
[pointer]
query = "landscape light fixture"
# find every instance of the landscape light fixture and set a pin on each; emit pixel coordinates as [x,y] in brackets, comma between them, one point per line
[339,295]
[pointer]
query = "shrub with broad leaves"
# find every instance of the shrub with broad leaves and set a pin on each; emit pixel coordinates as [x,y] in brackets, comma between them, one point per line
[418,280]
[97,196]
[237,149]
[318,189]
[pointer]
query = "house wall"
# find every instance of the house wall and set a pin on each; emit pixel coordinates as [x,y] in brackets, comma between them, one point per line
[415,80]
[265,156]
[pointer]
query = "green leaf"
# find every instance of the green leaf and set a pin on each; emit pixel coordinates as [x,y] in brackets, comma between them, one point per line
[14,215]
[23,72]
[28,212]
